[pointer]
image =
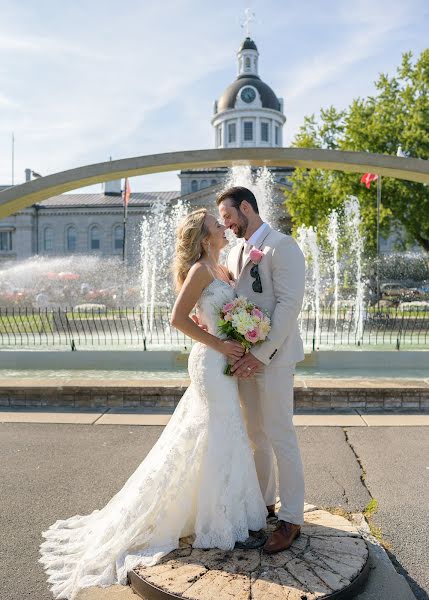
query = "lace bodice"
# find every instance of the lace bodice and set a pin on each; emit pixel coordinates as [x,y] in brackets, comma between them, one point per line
[213,297]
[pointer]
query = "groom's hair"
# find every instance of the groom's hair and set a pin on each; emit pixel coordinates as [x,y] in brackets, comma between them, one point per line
[237,194]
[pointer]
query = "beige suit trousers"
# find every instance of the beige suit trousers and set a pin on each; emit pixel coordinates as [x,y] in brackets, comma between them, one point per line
[267,403]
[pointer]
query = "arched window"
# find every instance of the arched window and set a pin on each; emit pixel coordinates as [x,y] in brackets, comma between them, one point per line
[213,182]
[5,241]
[282,180]
[204,183]
[71,239]
[247,63]
[48,239]
[194,185]
[94,238]
[118,237]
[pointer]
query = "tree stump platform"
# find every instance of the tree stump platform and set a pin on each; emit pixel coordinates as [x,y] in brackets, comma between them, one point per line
[328,560]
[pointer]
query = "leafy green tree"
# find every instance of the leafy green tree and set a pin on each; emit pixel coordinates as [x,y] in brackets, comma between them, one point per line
[397,114]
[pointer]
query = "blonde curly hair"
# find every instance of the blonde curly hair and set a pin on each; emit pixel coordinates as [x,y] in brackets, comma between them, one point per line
[190,235]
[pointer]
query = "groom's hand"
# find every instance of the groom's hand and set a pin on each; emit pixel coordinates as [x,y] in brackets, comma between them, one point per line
[247,366]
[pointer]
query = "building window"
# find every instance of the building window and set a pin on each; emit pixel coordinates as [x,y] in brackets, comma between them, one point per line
[48,239]
[232,133]
[265,132]
[94,238]
[5,241]
[118,237]
[277,134]
[194,185]
[219,135]
[248,131]
[204,183]
[282,180]
[213,182]
[247,64]
[71,239]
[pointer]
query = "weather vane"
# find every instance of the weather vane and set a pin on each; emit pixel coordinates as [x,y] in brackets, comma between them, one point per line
[249,17]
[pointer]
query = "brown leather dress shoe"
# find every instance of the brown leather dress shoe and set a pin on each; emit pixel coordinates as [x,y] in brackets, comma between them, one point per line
[282,537]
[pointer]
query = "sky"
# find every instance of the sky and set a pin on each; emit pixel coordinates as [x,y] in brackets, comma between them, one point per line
[85,80]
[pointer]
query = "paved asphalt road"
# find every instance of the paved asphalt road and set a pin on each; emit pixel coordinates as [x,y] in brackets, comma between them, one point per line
[397,463]
[55,471]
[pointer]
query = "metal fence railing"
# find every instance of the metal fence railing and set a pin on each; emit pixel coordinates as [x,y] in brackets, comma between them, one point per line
[397,327]
[134,327]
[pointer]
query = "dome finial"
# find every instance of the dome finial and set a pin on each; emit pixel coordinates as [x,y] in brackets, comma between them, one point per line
[249,17]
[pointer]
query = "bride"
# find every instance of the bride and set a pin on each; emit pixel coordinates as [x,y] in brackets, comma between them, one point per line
[199,478]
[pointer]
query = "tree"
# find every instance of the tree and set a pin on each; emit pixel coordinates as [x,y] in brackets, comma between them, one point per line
[398,114]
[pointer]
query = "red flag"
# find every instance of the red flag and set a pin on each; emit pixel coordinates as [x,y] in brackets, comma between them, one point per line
[127,192]
[368,178]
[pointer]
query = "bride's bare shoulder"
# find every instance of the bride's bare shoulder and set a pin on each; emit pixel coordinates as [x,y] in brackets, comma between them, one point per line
[199,273]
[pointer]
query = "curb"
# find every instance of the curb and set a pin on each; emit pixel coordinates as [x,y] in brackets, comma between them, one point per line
[384,582]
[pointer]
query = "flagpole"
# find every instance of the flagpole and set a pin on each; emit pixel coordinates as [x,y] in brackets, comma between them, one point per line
[13,159]
[378,235]
[124,240]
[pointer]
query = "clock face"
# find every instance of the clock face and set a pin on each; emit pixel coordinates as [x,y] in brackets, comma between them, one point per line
[248,94]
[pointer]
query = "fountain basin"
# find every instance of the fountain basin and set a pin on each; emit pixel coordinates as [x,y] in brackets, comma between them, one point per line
[324,381]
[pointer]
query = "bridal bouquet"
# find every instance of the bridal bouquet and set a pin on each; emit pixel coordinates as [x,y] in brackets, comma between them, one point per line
[243,321]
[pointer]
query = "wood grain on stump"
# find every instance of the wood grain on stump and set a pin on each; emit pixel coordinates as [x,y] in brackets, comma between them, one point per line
[329,559]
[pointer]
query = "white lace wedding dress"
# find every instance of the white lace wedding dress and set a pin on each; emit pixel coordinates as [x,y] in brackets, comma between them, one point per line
[199,478]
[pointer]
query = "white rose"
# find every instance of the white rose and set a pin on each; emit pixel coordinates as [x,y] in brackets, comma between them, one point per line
[243,322]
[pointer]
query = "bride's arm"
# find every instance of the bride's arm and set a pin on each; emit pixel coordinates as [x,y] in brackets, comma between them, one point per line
[197,279]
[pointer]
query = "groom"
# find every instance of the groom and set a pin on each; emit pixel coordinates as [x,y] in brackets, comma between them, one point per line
[274,281]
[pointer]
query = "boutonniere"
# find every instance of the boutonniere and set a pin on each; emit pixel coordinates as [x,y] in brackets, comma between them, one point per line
[256,256]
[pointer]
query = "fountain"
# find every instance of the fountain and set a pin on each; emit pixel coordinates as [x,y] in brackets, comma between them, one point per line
[69,281]
[157,251]
[260,182]
[333,241]
[78,286]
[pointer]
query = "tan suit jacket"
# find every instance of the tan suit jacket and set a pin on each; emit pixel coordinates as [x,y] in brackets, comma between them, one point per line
[282,272]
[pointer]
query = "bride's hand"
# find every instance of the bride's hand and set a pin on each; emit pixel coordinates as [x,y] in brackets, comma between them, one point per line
[231,349]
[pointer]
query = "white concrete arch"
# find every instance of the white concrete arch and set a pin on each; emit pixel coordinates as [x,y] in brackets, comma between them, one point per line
[16,198]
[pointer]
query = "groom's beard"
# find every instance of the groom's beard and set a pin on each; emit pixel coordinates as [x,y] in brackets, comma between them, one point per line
[242,225]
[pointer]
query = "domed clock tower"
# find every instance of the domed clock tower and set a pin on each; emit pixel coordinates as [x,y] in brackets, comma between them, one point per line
[248,113]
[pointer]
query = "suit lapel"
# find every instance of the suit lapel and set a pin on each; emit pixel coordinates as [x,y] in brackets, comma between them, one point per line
[235,259]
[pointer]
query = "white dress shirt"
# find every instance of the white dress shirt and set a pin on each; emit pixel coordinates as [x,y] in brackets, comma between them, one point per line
[257,235]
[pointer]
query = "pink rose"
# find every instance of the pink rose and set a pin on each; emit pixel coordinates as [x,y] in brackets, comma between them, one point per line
[256,255]
[252,335]
[228,307]
[257,313]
